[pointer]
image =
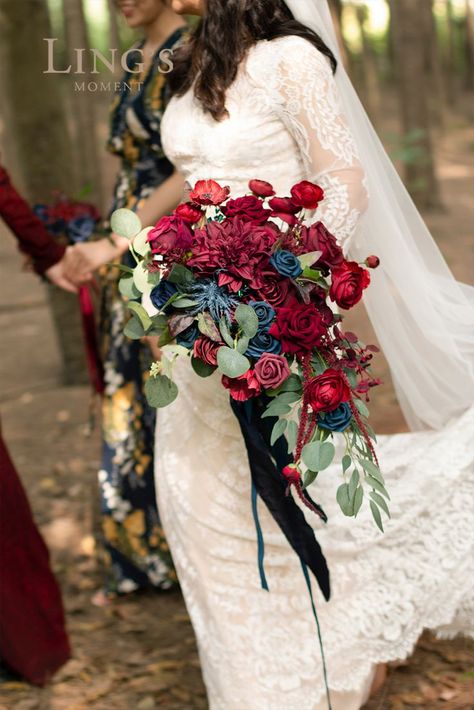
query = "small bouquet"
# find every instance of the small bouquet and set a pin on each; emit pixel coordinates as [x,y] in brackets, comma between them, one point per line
[67,220]
[245,286]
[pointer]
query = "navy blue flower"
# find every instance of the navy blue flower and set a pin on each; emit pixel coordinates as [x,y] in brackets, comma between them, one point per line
[80,229]
[188,336]
[286,263]
[263,342]
[337,420]
[265,313]
[162,293]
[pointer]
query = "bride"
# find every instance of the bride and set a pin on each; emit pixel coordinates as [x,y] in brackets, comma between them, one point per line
[257,95]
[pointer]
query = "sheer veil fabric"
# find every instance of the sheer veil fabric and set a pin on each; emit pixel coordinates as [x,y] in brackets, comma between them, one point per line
[423,317]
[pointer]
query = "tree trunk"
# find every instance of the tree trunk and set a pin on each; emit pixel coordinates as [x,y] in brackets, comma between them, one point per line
[372,98]
[410,54]
[114,34]
[42,145]
[83,103]
[434,69]
[451,55]
[337,9]
[469,44]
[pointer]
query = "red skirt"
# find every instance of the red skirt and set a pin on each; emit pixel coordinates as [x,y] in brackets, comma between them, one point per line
[33,638]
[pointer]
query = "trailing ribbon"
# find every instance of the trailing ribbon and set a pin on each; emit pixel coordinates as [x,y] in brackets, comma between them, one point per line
[94,363]
[266,464]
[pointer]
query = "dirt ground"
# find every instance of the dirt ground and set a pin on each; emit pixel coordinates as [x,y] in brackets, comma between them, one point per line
[140,654]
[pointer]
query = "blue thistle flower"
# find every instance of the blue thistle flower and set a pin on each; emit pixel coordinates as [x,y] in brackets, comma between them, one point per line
[213,298]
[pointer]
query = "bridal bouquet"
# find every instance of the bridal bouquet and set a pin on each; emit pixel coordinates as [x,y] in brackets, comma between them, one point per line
[68,220]
[245,287]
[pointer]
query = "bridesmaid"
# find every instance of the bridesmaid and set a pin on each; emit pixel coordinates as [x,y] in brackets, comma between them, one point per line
[137,553]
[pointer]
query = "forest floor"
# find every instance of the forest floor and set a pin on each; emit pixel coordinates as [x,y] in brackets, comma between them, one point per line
[140,653]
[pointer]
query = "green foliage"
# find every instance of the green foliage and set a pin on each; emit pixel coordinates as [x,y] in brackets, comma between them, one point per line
[160,391]
[201,368]
[247,319]
[278,430]
[231,362]
[318,455]
[125,223]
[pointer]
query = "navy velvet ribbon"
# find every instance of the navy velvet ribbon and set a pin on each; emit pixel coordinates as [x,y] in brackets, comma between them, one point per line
[266,463]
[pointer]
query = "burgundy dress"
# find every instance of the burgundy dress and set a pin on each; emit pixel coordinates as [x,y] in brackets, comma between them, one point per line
[33,639]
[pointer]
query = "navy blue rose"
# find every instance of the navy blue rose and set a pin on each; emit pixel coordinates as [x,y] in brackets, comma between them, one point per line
[337,420]
[265,313]
[263,342]
[286,264]
[80,229]
[162,293]
[188,337]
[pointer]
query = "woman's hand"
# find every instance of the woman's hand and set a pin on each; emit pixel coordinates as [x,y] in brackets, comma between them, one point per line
[83,259]
[56,274]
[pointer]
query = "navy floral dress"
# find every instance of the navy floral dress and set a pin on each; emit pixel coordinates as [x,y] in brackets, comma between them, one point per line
[137,554]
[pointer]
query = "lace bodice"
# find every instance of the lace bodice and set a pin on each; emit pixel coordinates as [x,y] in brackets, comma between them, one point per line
[284,124]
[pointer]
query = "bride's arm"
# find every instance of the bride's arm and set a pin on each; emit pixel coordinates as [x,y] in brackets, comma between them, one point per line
[309,104]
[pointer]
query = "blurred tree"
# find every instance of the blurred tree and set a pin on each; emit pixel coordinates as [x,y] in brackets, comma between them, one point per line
[114,34]
[407,16]
[451,54]
[433,65]
[469,41]
[372,98]
[83,103]
[337,8]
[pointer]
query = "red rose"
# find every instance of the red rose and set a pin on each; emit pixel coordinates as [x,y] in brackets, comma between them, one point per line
[372,262]
[318,238]
[170,237]
[348,283]
[249,209]
[209,192]
[283,205]
[243,387]
[298,326]
[189,212]
[272,370]
[206,349]
[272,287]
[306,194]
[327,391]
[261,188]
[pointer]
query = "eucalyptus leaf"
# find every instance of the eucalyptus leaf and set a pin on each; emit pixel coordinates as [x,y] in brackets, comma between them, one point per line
[376,515]
[128,289]
[231,362]
[288,397]
[247,318]
[291,384]
[125,223]
[346,462]
[362,408]
[180,275]
[141,314]
[165,338]
[276,410]
[184,303]
[160,391]
[291,435]
[201,368]
[372,469]
[345,503]
[318,455]
[225,333]
[278,430]
[140,243]
[378,486]
[380,502]
[143,279]
[358,497]
[311,275]
[351,376]
[353,483]
[134,329]
[208,327]
[243,344]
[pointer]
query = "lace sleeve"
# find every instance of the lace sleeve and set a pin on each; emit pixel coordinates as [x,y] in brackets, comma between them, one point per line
[309,104]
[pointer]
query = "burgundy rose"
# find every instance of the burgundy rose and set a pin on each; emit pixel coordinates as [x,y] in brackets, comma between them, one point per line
[372,261]
[306,194]
[298,326]
[327,391]
[209,192]
[249,209]
[243,387]
[318,238]
[237,249]
[283,205]
[189,212]
[170,237]
[272,287]
[272,370]
[348,283]
[206,349]
[261,188]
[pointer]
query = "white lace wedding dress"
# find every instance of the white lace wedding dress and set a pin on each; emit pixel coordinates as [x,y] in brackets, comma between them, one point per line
[259,649]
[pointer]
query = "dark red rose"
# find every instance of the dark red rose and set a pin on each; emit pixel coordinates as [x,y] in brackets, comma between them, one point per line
[327,391]
[206,349]
[306,194]
[209,192]
[272,370]
[283,205]
[318,238]
[272,287]
[372,261]
[236,248]
[170,237]
[261,188]
[298,326]
[290,219]
[248,208]
[243,387]
[348,282]
[189,212]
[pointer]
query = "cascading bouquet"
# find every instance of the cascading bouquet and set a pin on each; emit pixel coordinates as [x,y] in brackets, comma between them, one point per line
[70,221]
[244,287]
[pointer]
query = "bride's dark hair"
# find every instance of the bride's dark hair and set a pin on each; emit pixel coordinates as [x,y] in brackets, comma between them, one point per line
[211,58]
